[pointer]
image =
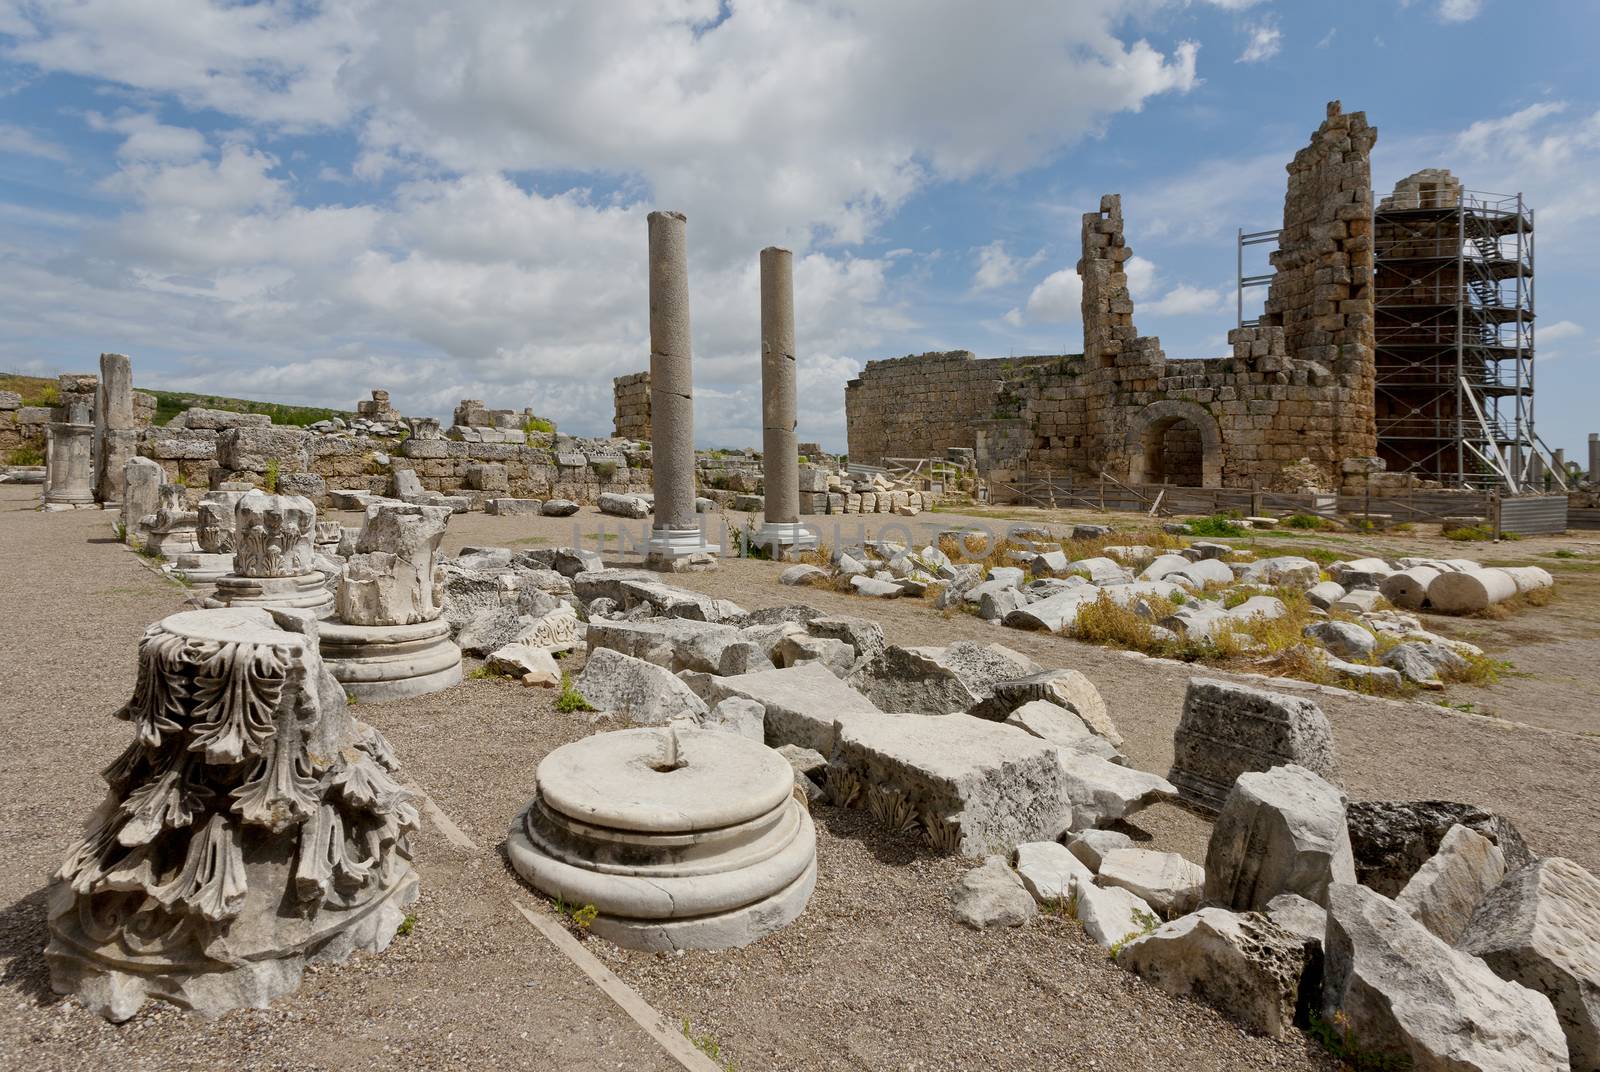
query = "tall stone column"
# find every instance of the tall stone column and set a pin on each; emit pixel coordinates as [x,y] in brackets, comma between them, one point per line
[1594,457]
[115,436]
[676,542]
[780,458]
[69,460]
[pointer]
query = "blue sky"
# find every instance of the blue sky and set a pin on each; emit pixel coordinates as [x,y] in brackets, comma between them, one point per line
[300,202]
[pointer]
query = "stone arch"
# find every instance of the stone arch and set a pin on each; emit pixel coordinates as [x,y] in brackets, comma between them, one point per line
[1161,437]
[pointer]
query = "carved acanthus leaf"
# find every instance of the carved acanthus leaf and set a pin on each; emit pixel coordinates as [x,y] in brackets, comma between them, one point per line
[281,791]
[236,692]
[167,802]
[212,879]
[161,692]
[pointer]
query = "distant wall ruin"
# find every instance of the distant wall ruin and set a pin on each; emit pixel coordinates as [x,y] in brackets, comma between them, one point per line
[1298,386]
[631,401]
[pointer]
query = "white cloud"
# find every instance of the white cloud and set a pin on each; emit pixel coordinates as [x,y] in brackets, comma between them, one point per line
[15,139]
[1235,5]
[1460,10]
[1058,299]
[1561,329]
[1185,300]
[996,267]
[150,139]
[800,124]
[1266,41]
[1141,273]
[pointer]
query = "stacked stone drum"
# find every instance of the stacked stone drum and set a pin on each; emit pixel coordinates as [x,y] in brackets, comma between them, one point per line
[680,838]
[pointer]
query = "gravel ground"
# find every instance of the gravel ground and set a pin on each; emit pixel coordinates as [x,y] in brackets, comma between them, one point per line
[875,975]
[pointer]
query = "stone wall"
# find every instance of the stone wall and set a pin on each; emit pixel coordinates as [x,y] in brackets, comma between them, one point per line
[631,401]
[1297,387]
[916,407]
[22,427]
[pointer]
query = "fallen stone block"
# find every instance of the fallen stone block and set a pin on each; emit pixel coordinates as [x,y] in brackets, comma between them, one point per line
[1227,729]
[558,508]
[1344,639]
[737,715]
[1446,890]
[619,505]
[804,574]
[799,648]
[871,586]
[1049,872]
[993,787]
[1289,571]
[1279,831]
[1102,792]
[938,680]
[643,693]
[804,703]
[1405,994]
[1305,919]
[532,665]
[1164,880]
[1541,928]
[1324,594]
[1422,662]
[1065,687]
[513,507]
[1392,839]
[1112,915]
[1243,965]
[1091,846]
[864,635]
[992,896]
[1054,613]
[673,643]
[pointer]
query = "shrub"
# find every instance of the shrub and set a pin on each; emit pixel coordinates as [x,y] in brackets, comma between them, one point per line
[269,479]
[26,455]
[1468,534]
[571,699]
[1104,622]
[538,424]
[604,471]
[1307,521]
[1215,525]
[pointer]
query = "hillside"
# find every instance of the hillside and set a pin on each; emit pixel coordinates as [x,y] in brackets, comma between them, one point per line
[41,391]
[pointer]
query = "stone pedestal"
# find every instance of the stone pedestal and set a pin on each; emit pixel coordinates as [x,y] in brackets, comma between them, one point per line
[676,541]
[69,461]
[780,459]
[389,640]
[141,493]
[273,560]
[682,839]
[251,828]
[175,529]
[215,537]
[115,437]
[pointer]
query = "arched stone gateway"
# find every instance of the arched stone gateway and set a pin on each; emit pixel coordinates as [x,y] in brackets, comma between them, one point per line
[1175,442]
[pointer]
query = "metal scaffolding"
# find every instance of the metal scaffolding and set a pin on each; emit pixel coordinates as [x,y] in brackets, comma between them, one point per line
[1453,316]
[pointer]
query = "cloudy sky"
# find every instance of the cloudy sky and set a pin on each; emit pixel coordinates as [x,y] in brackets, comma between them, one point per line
[299,201]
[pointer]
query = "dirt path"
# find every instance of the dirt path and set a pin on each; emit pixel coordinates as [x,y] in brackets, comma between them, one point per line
[472,986]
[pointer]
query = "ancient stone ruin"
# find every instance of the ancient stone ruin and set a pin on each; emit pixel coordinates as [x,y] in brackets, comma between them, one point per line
[1297,387]
[681,839]
[252,827]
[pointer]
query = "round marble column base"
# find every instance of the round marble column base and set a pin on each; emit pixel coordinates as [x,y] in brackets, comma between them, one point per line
[391,662]
[680,551]
[305,592]
[785,534]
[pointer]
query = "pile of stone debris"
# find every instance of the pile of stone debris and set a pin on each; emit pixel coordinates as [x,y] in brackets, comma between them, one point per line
[1426,930]
[839,491]
[1197,591]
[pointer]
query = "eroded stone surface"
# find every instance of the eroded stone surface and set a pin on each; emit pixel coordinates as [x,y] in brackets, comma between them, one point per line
[641,692]
[1406,994]
[1446,890]
[1229,729]
[1280,831]
[1541,928]
[206,879]
[992,896]
[1243,965]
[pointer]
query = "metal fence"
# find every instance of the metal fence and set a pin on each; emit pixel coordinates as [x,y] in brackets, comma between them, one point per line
[1524,514]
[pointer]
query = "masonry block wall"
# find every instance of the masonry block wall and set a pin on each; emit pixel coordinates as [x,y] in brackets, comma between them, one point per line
[916,407]
[1299,386]
[631,399]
